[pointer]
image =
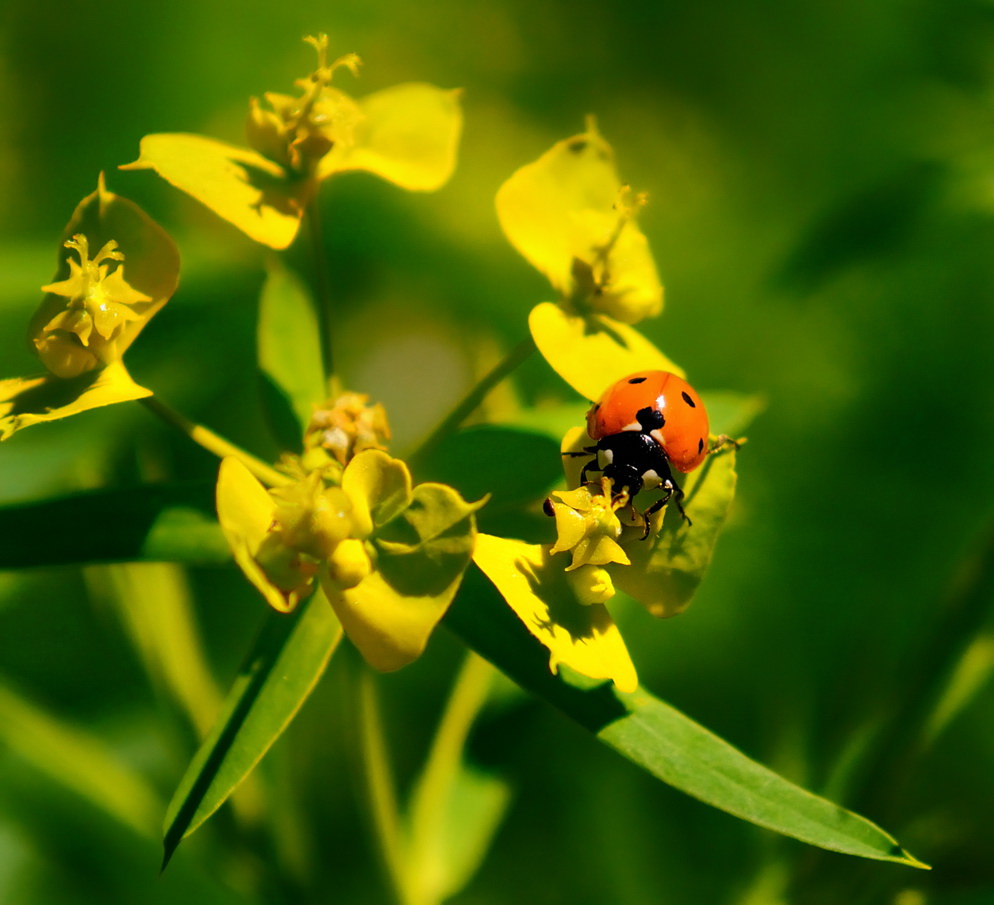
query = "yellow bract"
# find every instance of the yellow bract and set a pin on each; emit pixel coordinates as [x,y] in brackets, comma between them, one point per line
[569,215]
[583,637]
[591,352]
[408,135]
[33,400]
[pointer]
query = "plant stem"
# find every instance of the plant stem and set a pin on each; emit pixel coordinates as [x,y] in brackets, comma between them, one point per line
[214,443]
[474,397]
[379,786]
[321,285]
[434,789]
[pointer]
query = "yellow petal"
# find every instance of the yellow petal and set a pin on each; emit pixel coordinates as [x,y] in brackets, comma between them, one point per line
[379,487]
[408,135]
[592,352]
[27,401]
[240,185]
[582,636]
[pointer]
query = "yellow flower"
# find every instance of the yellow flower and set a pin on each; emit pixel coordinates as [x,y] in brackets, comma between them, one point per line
[389,555]
[299,131]
[571,217]
[84,335]
[408,135]
[92,312]
[587,526]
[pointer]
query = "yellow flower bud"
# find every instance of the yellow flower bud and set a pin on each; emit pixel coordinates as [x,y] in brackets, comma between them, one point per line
[347,425]
[349,563]
[591,584]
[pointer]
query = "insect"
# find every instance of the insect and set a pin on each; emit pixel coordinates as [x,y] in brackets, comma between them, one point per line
[644,424]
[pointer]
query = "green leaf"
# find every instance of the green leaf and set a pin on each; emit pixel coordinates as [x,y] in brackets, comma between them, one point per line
[664,742]
[289,352]
[513,465]
[288,659]
[157,522]
[665,572]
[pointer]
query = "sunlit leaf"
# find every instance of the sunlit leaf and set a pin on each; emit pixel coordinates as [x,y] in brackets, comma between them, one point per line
[667,569]
[240,185]
[245,512]
[35,400]
[583,637]
[591,352]
[280,672]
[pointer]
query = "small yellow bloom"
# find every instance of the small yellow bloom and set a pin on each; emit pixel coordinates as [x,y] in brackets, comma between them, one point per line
[84,335]
[588,527]
[298,131]
[93,311]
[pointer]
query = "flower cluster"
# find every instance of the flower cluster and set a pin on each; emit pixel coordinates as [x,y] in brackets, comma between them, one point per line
[407,134]
[388,555]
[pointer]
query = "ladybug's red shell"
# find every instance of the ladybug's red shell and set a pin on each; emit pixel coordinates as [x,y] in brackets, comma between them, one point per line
[672,403]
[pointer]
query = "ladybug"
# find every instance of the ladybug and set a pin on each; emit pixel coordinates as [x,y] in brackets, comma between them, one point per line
[643,425]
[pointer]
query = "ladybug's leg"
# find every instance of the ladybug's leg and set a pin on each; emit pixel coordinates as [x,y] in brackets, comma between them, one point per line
[592,465]
[673,492]
[723,442]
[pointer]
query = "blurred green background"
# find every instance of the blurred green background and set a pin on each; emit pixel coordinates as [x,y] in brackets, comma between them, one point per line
[821,182]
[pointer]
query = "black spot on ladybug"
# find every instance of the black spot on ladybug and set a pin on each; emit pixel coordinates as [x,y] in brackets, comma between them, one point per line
[687,399]
[700,446]
[577,146]
[650,418]
[635,380]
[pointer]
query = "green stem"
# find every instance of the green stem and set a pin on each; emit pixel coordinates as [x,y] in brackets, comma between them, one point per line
[379,786]
[434,788]
[321,285]
[214,443]
[474,397]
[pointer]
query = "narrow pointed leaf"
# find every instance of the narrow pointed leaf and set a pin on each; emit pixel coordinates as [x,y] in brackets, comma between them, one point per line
[279,674]
[156,522]
[667,744]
